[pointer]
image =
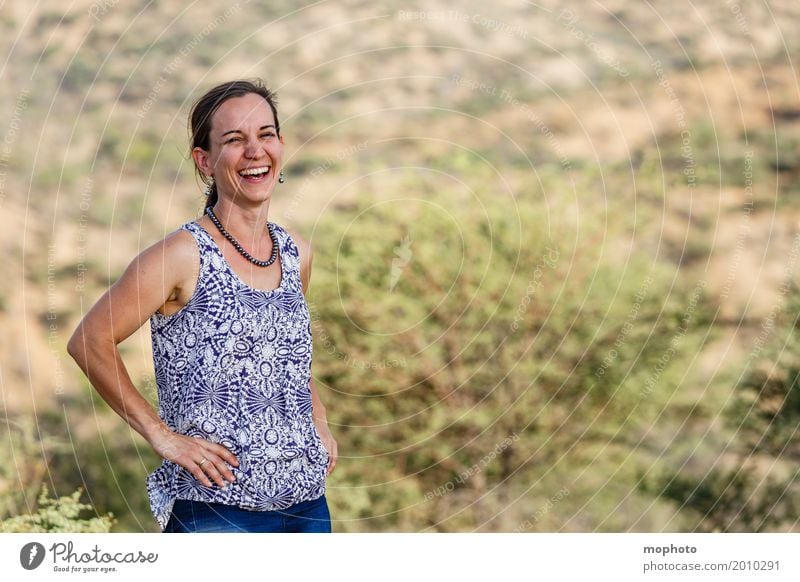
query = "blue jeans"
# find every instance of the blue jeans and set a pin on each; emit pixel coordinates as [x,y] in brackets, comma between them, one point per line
[198,516]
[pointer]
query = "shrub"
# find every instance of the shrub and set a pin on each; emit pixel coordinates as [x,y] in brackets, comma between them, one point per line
[58,516]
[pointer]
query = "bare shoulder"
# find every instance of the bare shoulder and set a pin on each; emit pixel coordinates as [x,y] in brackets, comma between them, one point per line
[153,281]
[183,255]
[177,258]
[177,252]
[181,245]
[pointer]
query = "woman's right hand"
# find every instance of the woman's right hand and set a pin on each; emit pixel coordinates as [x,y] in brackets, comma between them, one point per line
[205,460]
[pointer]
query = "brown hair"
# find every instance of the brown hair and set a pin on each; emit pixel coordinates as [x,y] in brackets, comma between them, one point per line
[202,114]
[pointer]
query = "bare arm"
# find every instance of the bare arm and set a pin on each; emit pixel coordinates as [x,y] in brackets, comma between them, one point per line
[318,409]
[149,281]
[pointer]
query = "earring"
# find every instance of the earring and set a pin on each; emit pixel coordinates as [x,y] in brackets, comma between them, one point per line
[210,186]
[281,179]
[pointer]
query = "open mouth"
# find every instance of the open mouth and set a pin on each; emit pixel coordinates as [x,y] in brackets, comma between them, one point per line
[255,175]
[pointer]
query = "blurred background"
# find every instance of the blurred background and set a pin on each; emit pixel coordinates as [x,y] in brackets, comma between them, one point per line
[556,251]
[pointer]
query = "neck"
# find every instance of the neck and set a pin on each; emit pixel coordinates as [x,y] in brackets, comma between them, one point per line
[248,225]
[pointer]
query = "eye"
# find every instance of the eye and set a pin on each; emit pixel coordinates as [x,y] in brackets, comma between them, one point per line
[234,139]
[268,134]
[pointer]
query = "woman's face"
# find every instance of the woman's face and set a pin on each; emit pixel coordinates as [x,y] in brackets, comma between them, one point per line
[243,140]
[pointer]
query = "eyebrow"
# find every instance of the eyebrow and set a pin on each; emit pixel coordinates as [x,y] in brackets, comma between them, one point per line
[238,131]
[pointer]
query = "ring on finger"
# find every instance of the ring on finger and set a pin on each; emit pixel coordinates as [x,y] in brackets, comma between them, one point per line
[203,460]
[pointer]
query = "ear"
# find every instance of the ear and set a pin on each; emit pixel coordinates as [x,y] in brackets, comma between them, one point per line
[200,157]
[280,139]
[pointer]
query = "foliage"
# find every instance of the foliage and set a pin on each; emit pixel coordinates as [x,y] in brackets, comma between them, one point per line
[108,465]
[22,473]
[22,468]
[442,330]
[759,491]
[58,516]
[766,411]
[732,500]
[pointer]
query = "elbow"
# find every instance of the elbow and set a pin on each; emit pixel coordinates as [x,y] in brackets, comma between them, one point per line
[77,343]
[73,347]
[88,342]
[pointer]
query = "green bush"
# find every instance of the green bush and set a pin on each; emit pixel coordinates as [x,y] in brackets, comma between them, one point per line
[750,485]
[467,355]
[20,481]
[58,516]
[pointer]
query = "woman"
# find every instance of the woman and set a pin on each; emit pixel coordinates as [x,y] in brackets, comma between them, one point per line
[241,428]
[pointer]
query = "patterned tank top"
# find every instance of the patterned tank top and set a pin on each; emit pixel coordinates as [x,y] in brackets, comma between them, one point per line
[233,366]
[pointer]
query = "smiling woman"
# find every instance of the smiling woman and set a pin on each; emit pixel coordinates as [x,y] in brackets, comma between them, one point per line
[259,133]
[242,431]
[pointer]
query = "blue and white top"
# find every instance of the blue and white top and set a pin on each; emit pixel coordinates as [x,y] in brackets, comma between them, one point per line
[233,366]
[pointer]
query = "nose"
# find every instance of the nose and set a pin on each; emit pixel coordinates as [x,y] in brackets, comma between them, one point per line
[253,149]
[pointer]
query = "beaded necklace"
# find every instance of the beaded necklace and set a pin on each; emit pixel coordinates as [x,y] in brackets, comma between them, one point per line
[239,247]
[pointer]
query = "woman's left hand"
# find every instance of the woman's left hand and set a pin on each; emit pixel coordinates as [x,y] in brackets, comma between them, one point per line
[329,442]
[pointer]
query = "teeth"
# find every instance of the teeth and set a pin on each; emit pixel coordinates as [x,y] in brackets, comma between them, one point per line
[254,171]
